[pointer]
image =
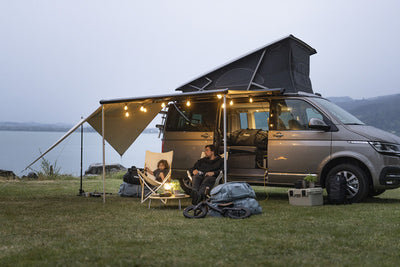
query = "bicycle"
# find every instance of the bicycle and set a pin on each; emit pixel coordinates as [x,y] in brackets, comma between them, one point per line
[225,209]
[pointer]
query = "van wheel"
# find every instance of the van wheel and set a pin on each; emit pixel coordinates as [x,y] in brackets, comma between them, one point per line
[186,185]
[375,192]
[357,181]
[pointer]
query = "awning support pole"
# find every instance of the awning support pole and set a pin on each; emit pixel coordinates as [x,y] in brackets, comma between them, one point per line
[104,153]
[80,189]
[225,140]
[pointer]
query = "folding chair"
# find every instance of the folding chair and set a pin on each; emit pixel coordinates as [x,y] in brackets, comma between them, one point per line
[148,180]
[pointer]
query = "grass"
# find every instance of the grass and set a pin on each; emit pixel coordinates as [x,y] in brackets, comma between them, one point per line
[44,223]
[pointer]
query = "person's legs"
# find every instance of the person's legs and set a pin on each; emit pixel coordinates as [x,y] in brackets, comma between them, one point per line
[196,182]
[206,186]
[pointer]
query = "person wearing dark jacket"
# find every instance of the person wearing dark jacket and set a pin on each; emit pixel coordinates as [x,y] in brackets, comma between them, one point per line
[205,172]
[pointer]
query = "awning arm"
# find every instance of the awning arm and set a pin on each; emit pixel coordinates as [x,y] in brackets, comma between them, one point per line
[56,143]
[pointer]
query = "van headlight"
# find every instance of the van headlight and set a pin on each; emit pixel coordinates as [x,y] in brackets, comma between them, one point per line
[386,148]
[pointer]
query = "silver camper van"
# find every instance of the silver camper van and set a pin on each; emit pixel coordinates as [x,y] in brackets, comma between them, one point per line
[277,136]
[278,139]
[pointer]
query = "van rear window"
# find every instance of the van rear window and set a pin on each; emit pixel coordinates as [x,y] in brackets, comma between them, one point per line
[198,117]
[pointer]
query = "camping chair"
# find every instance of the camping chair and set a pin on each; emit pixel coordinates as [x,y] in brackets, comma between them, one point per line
[148,180]
[219,177]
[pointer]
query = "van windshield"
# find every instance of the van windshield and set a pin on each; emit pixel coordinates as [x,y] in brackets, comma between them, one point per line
[198,117]
[338,112]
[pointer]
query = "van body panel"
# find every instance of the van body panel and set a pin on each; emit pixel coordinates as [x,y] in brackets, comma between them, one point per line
[373,134]
[294,153]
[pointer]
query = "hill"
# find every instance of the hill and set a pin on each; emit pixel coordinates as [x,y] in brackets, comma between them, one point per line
[381,112]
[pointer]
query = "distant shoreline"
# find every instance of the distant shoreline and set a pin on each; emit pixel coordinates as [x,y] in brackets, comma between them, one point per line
[52,128]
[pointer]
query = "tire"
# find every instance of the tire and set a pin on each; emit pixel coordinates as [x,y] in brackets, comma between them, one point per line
[357,181]
[192,212]
[375,192]
[186,185]
[237,213]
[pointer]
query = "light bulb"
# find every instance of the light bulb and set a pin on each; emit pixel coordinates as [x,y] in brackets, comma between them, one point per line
[219,96]
[231,102]
[141,108]
[127,114]
[126,107]
[163,105]
[188,103]
[251,100]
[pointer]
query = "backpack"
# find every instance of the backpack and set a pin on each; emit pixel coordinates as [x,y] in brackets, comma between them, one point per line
[131,190]
[131,177]
[240,193]
[337,186]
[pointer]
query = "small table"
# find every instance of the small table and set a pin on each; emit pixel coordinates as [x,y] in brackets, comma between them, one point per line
[165,199]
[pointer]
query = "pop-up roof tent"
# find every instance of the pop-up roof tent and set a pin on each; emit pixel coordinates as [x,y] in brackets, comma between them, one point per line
[282,64]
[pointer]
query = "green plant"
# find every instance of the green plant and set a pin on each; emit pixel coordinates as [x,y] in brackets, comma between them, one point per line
[310,178]
[49,170]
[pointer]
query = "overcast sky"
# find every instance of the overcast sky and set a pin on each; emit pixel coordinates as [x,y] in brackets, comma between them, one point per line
[59,58]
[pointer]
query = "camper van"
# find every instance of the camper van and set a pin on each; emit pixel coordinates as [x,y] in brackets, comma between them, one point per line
[278,136]
[276,139]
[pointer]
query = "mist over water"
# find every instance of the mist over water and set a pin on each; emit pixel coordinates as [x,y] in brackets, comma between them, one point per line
[19,148]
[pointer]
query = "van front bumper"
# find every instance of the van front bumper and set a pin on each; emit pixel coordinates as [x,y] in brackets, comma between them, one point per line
[390,176]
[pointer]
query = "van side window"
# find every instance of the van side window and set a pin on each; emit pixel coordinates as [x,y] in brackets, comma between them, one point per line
[243,121]
[261,120]
[292,114]
[198,117]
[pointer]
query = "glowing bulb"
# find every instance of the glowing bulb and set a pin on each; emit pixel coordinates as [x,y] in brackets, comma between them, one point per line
[127,114]
[231,102]
[141,108]
[223,106]
[188,103]
[144,109]
[251,100]
[167,186]
[163,105]
[126,107]
[219,96]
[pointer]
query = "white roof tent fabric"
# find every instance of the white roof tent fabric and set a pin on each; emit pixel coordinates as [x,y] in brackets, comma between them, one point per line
[281,64]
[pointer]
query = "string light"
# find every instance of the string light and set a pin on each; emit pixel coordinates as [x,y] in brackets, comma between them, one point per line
[219,96]
[223,105]
[231,102]
[163,105]
[188,103]
[126,107]
[127,114]
[251,100]
[142,108]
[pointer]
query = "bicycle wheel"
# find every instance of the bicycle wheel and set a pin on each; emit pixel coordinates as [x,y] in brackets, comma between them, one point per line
[194,212]
[237,213]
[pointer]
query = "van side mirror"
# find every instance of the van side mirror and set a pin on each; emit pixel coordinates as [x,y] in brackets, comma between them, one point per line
[318,124]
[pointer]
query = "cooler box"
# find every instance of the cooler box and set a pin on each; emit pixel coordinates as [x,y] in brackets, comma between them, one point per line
[306,196]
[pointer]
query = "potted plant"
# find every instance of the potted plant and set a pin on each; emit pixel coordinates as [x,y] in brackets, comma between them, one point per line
[311,179]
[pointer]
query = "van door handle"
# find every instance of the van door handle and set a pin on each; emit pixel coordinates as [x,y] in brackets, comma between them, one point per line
[278,134]
[205,135]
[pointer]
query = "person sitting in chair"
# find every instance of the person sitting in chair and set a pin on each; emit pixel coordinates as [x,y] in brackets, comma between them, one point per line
[205,172]
[161,172]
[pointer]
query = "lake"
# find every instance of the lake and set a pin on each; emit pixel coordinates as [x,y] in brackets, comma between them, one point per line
[19,148]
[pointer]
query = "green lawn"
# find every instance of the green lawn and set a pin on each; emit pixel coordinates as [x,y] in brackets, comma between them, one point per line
[44,223]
